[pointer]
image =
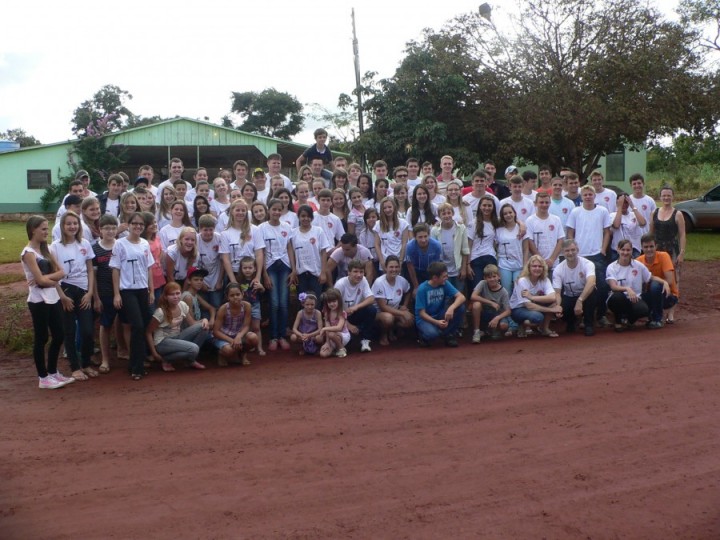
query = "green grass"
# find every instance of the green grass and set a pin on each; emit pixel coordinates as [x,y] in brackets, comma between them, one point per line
[703,246]
[11,278]
[13,239]
[14,335]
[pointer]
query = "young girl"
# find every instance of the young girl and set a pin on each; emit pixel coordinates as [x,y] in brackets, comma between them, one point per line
[43,273]
[221,202]
[252,289]
[454,199]
[308,324]
[288,213]
[180,219]
[454,241]
[201,207]
[151,235]
[339,180]
[181,255]
[355,223]
[279,260]
[232,328]
[512,251]
[103,294]
[240,239]
[430,183]
[340,206]
[423,211]
[392,233]
[381,190]
[400,194]
[310,249]
[168,197]
[334,333]
[481,238]
[364,184]
[132,262]
[249,193]
[303,194]
[167,340]
[74,255]
[90,222]
[128,205]
[259,212]
[368,237]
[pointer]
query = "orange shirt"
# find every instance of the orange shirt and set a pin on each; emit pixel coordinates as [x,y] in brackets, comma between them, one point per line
[661,265]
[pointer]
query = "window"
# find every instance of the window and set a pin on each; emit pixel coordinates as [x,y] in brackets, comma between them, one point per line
[615,166]
[38,179]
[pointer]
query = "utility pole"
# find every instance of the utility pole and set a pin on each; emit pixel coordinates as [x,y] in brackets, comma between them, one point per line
[356,54]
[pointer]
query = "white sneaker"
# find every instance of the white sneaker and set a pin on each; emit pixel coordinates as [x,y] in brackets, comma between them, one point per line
[365,345]
[49,383]
[59,377]
[477,336]
[341,353]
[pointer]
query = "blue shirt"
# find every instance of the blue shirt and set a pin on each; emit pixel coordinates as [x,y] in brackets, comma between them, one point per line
[421,259]
[433,299]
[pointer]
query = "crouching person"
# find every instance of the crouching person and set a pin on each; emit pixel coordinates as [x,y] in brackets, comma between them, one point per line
[439,308]
[359,303]
[232,328]
[574,284]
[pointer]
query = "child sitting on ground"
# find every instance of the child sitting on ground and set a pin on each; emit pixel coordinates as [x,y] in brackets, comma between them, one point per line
[490,305]
[232,328]
[335,333]
[308,324]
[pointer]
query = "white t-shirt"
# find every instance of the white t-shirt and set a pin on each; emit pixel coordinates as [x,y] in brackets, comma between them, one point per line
[168,183]
[509,248]
[331,226]
[169,328]
[608,199]
[392,294]
[219,207]
[181,263]
[646,205]
[633,275]
[353,294]
[169,235]
[542,288]
[561,209]
[447,244]
[362,254]
[308,247]
[545,233]
[288,183]
[356,217]
[571,281]
[391,241]
[276,239]
[37,294]
[482,246]
[291,219]
[112,207]
[209,259]
[73,258]
[237,248]
[524,208]
[589,226]
[473,203]
[133,261]
[629,228]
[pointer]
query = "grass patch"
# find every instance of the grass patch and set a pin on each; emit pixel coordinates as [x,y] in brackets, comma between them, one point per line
[688,183]
[11,278]
[703,246]
[13,239]
[15,335]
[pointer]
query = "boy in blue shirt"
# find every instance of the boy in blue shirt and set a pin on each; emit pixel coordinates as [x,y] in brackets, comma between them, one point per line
[433,316]
[421,252]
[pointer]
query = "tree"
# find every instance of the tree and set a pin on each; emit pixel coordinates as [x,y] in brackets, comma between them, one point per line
[270,113]
[105,112]
[703,13]
[19,135]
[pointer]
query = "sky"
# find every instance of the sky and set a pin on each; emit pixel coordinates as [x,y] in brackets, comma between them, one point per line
[186,60]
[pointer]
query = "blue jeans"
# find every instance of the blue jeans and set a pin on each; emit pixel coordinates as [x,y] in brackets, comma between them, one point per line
[508,277]
[279,299]
[309,283]
[429,331]
[184,346]
[478,266]
[78,321]
[522,314]
[657,300]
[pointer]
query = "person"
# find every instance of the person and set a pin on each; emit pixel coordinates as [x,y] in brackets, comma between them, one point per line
[439,308]
[252,288]
[279,261]
[430,182]
[339,180]
[240,171]
[392,299]
[167,340]
[660,265]
[110,200]
[181,255]
[413,169]
[421,209]
[481,239]
[630,297]
[668,227]
[131,263]
[71,203]
[288,214]
[90,219]
[523,206]
[74,254]
[43,275]
[274,165]
[202,187]
[589,225]
[199,307]
[103,294]
[382,187]
[259,213]
[421,252]
[453,197]
[302,190]
[644,203]
[454,242]
[178,221]
[169,196]
[572,188]
[574,284]
[77,188]
[533,302]
[150,233]
[545,175]
[348,250]
[529,185]
[498,185]
[221,201]
[359,304]
[200,208]
[627,222]
[209,259]
[472,199]
[232,328]
[364,184]
[308,325]
[241,238]
[249,193]
[545,231]
[603,196]
[340,206]
[310,247]
[400,194]
[560,206]
[446,174]
[334,334]
[392,233]
[368,239]
[355,223]
[176,170]
[354,172]
[129,204]
[262,185]
[326,220]
[512,247]
[490,305]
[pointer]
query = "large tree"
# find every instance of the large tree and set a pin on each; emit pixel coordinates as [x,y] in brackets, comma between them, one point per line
[564,82]
[271,113]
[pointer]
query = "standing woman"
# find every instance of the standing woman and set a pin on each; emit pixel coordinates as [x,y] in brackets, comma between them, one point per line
[201,207]
[279,260]
[239,240]
[340,206]
[400,194]
[179,220]
[431,183]
[453,196]
[310,246]
[668,226]
[381,191]
[422,211]
[43,273]
[182,255]
[133,289]
[249,193]
[74,255]
[288,213]
[151,235]
[481,237]
[364,184]
[392,233]
[512,251]
[169,195]
[90,223]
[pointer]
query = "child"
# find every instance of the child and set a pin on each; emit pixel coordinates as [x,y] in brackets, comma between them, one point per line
[368,237]
[355,223]
[490,305]
[326,220]
[339,180]
[308,324]
[400,194]
[208,243]
[163,212]
[151,235]
[252,289]
[310,248]
[303,193]
[232,328]
[288,213]
[167,340]
[335,333]
[103,286]
[221,202]
[317,150]
[439,308]
[392,233]
[196,303]
[422,211]
[181,255]
[179,219]
[129,204]
[340,206]
[259,213]
[241,238]
[74,254]
[381,191]
[454,242]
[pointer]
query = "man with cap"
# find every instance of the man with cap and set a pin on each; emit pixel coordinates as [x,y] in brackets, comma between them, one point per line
[501,190]
[84,177]
[262,183]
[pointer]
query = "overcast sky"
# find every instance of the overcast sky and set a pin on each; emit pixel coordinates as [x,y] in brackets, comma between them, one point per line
[187,59]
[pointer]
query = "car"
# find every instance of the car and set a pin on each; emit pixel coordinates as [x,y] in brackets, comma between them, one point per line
[703,212]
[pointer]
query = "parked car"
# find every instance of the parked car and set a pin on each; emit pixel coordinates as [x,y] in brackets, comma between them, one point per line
[703,212]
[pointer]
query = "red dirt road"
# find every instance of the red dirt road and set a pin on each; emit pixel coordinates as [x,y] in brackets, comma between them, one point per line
[616,436]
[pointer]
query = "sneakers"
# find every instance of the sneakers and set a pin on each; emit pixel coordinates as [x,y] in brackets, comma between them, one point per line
[589,331]
[451,342]
[477,336]
[654,325]
[365,345]
[61,378]
[342,352]
[49,383]
[423,343]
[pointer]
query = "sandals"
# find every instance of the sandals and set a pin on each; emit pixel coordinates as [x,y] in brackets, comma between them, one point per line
[549,333]
[521,332]
[104,368]
[90,372]
[137,377]
[79,375]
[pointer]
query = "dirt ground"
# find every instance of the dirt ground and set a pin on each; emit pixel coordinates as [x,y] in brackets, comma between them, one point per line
[616,436]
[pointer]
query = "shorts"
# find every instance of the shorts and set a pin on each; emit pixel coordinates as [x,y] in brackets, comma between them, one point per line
[107,317]
[255,313]
[220,343]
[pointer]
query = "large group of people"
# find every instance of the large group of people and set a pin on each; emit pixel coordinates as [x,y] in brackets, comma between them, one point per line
[184,266]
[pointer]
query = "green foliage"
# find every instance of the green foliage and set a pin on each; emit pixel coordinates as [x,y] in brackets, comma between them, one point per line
[703,15]
[270,113]
[19,135]
[13,238]
[15,334]
[703,246]
[105,112]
